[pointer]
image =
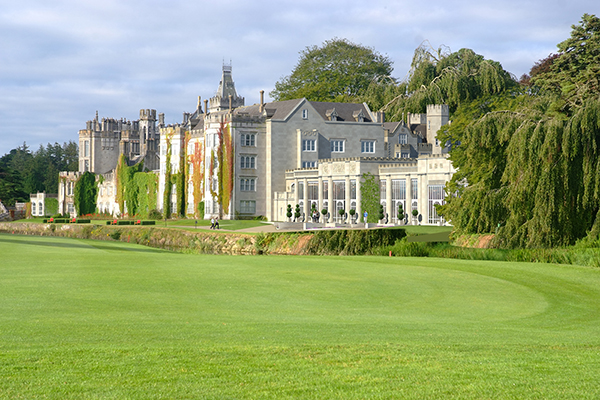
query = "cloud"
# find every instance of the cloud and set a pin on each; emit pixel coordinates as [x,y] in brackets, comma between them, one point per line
[65,59]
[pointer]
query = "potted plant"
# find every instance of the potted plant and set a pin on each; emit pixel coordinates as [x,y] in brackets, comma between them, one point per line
[400,212]
[289,212]
[352,212]
[342,212]
[297,212]
[381,213]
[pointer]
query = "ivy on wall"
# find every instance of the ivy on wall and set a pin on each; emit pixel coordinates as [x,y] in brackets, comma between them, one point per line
[85,193]
[168,175]
[127,190]
[50,206]
[196,163]
[226,161]
[181,178]
[146,184]
[370,193]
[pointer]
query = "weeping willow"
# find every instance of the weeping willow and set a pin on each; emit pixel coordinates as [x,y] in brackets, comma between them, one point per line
[439,77]
[533,180]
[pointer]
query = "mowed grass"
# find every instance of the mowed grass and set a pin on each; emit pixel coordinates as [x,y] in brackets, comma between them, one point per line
[105,320]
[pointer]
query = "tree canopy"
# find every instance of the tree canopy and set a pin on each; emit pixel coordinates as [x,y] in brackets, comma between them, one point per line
[23,172]
[339,70]
[438,76]
[528,160]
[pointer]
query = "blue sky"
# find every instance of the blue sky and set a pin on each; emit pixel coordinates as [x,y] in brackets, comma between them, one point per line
[62,60]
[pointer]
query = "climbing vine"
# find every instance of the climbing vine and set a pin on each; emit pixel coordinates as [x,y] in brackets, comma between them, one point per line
[196,163]
[85,193]
[225,158]
[127,190]
[168,175]
[146,184]
[50,206]
[369,193]
[181,178]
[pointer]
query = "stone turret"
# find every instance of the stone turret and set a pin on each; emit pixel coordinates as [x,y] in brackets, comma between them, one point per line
[437,116]
[221,100]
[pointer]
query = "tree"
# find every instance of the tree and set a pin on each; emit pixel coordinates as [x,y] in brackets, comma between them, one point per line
[574,75]
[440,77]
[529,169]
[339,70]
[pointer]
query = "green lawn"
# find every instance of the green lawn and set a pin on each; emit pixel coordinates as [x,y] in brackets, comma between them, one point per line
[105,320]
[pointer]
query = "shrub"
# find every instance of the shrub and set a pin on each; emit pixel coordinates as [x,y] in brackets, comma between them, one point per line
[154,214]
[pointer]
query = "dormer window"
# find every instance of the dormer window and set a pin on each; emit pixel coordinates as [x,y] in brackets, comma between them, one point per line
[304,114]
[358,116]
[332,115]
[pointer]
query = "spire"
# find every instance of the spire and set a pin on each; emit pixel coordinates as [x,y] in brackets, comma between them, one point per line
[220,101]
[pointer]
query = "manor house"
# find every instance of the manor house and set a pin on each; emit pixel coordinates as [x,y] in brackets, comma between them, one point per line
[313,154]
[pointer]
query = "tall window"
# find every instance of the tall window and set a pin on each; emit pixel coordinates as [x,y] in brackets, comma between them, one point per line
[248,139]
[337,146]
[436,197]
[248,184]
[86,148]
[339,198]
[398,196]
[414,187]
[247,207]
[304,114]
[309,145]
[367,146]
[248,162]
[313,192]
[403,138]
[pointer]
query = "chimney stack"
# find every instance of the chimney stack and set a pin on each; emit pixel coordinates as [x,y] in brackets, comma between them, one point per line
[262,101]
[205,107]
[199,104]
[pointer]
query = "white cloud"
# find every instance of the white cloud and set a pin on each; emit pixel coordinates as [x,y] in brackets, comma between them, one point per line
[65,59]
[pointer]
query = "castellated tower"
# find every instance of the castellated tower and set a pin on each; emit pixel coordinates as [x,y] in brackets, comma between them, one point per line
[103,141]
[149,139]
[226,97]
[437,116]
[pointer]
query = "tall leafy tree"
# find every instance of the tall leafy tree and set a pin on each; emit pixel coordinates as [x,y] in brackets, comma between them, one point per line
[574,74]
[440,77]
[339,70]
[23,172]
[529,161]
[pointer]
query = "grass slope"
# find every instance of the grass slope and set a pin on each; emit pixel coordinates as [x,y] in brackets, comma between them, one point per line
[100,320]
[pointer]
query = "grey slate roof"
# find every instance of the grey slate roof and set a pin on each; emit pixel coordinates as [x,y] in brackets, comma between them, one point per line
[345,111]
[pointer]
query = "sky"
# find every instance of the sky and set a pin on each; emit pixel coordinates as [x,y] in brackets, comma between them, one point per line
[63,60]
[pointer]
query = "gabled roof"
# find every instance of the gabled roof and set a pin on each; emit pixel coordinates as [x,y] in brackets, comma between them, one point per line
[281,110]
[345,111]
[275,110]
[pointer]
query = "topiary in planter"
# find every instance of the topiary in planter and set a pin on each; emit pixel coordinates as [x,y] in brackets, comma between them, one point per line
[415,213]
